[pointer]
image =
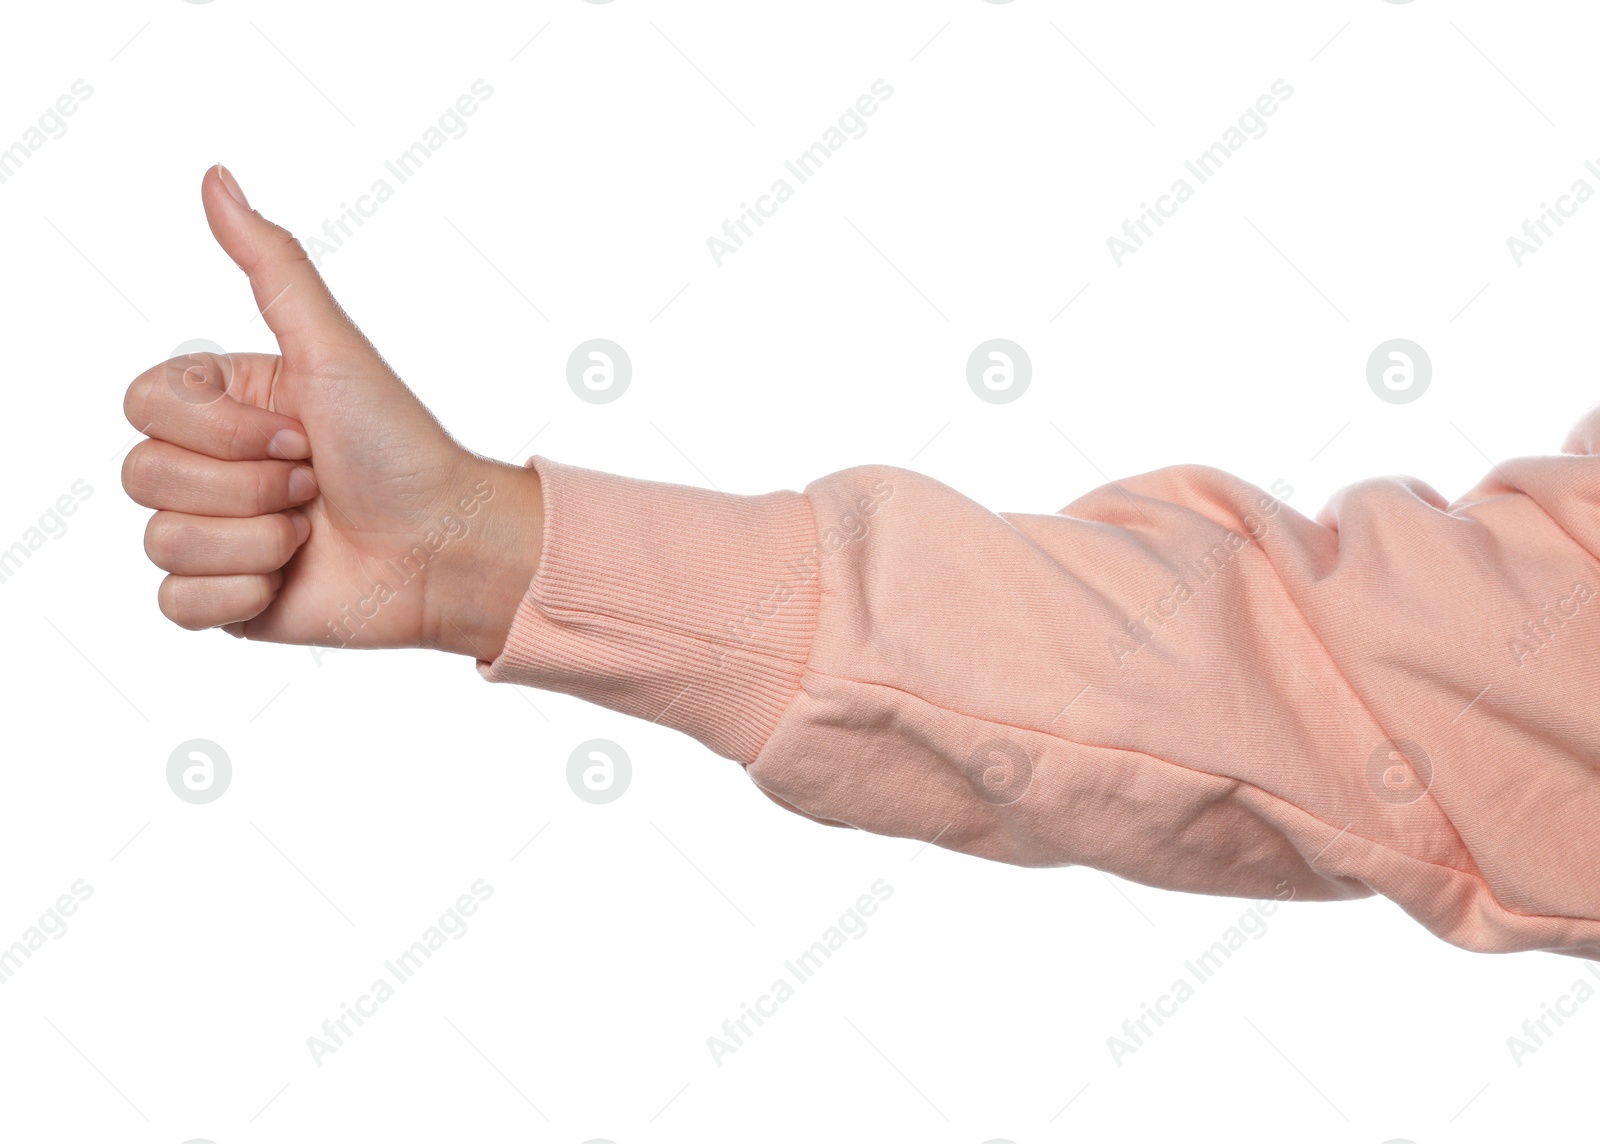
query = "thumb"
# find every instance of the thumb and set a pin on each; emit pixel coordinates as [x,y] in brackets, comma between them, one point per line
[291,295]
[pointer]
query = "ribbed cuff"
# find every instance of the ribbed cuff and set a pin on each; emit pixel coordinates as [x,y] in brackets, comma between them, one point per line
[683,606]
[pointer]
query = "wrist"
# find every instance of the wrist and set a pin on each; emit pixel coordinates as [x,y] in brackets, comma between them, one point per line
[481,577]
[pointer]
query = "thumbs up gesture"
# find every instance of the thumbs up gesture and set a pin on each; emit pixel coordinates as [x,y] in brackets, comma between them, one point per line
[308,496]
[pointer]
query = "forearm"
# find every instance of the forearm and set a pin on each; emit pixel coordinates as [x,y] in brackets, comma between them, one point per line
[1178,678]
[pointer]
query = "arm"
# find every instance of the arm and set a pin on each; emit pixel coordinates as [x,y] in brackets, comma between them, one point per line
[1177,678]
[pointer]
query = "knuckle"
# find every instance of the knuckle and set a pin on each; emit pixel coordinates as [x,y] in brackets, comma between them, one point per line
[138,474]
[162,539]
[177,602]
[136,401]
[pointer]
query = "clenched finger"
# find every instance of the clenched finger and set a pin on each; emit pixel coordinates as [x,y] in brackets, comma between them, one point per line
[192,401]
[217,545]
[197,602]
[158,474]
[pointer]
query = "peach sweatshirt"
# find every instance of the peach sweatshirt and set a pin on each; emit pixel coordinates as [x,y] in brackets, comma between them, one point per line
[1176,678]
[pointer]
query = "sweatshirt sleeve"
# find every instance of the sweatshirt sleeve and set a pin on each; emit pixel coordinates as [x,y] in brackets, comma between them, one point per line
[1177,678]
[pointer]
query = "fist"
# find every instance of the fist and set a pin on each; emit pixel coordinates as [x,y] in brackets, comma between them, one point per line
[308,496]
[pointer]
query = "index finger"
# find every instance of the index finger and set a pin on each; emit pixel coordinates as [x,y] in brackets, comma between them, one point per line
[189,401]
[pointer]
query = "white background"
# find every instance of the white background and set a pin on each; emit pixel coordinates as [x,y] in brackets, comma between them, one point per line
[372,789]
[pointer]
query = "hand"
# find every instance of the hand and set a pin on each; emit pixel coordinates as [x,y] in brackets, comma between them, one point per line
[308,497]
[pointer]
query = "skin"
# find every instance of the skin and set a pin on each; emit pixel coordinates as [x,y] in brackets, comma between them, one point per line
[285,484]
